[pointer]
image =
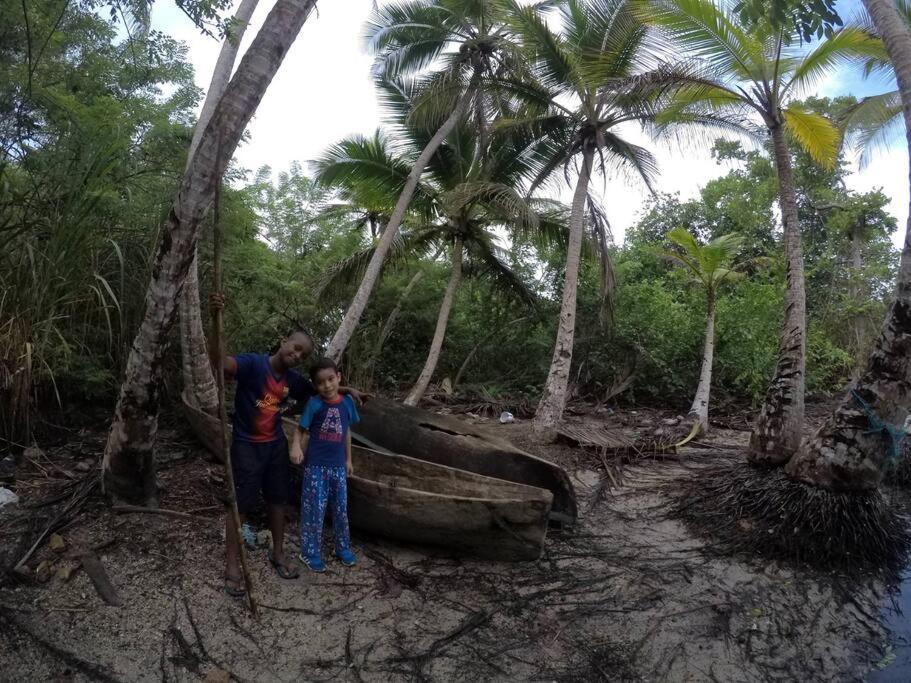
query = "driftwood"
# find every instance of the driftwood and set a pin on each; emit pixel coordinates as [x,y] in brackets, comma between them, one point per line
[93,567]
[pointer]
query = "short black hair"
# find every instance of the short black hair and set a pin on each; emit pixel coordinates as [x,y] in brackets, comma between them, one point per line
[322,364]
[300,329]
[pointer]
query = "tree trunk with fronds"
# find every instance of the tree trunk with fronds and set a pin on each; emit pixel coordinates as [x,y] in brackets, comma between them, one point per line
[129,462]
[439,334]
[553,399]
[699,411]
[198,378]
[371,275]
[851,449]
[779,429]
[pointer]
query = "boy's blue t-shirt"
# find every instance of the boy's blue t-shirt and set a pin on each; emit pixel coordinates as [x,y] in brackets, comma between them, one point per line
[261,396]
[328,423]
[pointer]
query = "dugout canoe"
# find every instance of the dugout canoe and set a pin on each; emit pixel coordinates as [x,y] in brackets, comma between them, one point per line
[416,501]
[446,440]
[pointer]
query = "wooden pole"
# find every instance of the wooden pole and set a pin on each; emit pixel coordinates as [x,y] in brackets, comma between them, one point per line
[219,334]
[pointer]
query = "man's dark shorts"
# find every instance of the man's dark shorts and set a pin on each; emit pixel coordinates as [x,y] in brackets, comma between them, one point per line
[260,467]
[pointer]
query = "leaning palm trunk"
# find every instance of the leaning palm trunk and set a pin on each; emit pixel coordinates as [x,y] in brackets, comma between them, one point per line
[851,449]
[352,317]
[439,334]
[129,464]
[699,411]
[198,379]
[779,429]
[553,399]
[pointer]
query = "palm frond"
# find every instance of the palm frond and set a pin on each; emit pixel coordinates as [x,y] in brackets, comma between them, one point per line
[873,123]
[816,134]
[848,44]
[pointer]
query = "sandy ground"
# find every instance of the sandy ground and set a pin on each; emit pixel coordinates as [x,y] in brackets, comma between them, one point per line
[628,594]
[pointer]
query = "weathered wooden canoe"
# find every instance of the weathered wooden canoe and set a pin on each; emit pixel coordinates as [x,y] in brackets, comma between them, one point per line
[446,440]
[416,501]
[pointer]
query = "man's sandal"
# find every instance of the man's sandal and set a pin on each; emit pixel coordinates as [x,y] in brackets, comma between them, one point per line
[283,570]
[237,590]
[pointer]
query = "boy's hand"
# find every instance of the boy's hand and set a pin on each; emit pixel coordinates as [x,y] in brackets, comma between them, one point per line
[349,469]
[360,398]
[296,454]
[216,301]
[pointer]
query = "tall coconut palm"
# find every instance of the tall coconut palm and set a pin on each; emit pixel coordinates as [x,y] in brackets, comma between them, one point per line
[469,44]
[739,74]
[129,462]
[198,380]
[710,266]
[851,449]
[587,76]
[462,200]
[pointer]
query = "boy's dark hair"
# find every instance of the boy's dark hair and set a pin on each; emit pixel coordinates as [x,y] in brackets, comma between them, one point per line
[322,364]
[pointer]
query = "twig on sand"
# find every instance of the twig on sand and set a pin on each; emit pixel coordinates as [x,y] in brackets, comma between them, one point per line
[122,509]
[93,671]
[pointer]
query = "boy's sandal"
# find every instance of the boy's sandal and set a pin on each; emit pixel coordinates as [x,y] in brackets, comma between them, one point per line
[285,571]
[237,590]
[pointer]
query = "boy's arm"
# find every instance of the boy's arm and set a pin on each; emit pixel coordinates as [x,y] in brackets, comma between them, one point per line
[359,397]
[299,445]
[349,467]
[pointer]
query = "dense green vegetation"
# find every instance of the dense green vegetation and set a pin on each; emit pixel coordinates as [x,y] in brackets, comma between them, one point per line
[94,129]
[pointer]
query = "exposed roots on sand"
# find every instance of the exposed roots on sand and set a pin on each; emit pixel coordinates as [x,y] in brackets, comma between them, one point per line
[752,510]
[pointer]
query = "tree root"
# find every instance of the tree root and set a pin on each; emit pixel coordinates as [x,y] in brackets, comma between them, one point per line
[749,510]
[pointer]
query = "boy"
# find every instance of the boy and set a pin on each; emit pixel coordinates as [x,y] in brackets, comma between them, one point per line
[324,433]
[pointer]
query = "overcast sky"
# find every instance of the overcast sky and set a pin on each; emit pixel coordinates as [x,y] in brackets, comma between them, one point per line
[323,92]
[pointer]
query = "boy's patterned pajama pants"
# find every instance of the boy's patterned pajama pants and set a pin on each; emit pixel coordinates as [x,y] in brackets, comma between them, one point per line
[319,487]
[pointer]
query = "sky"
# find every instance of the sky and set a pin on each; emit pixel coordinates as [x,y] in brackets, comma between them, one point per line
[324,92]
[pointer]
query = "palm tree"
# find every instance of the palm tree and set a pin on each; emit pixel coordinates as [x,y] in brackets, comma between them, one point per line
[468,40]
[588,78]
[129,462]
[198,380]
[740,73]
[461,200]
[710,266]
[851,449]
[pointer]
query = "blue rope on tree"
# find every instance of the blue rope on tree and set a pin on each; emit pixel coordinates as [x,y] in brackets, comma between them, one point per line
[895,435]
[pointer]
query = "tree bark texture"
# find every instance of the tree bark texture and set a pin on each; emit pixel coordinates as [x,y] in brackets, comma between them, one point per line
[198,379]
[553,399]
[779,429]
[129,463]
[699,411]
[439,334]
[846,454]
[352,317]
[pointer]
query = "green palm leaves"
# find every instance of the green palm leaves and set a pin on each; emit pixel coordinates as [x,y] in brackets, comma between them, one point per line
[709,264]
[759,71]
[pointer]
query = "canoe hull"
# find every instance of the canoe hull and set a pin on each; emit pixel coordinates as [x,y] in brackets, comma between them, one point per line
[445,440]
[415,501]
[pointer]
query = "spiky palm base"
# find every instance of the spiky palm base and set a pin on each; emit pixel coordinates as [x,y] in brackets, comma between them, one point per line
[753,510]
